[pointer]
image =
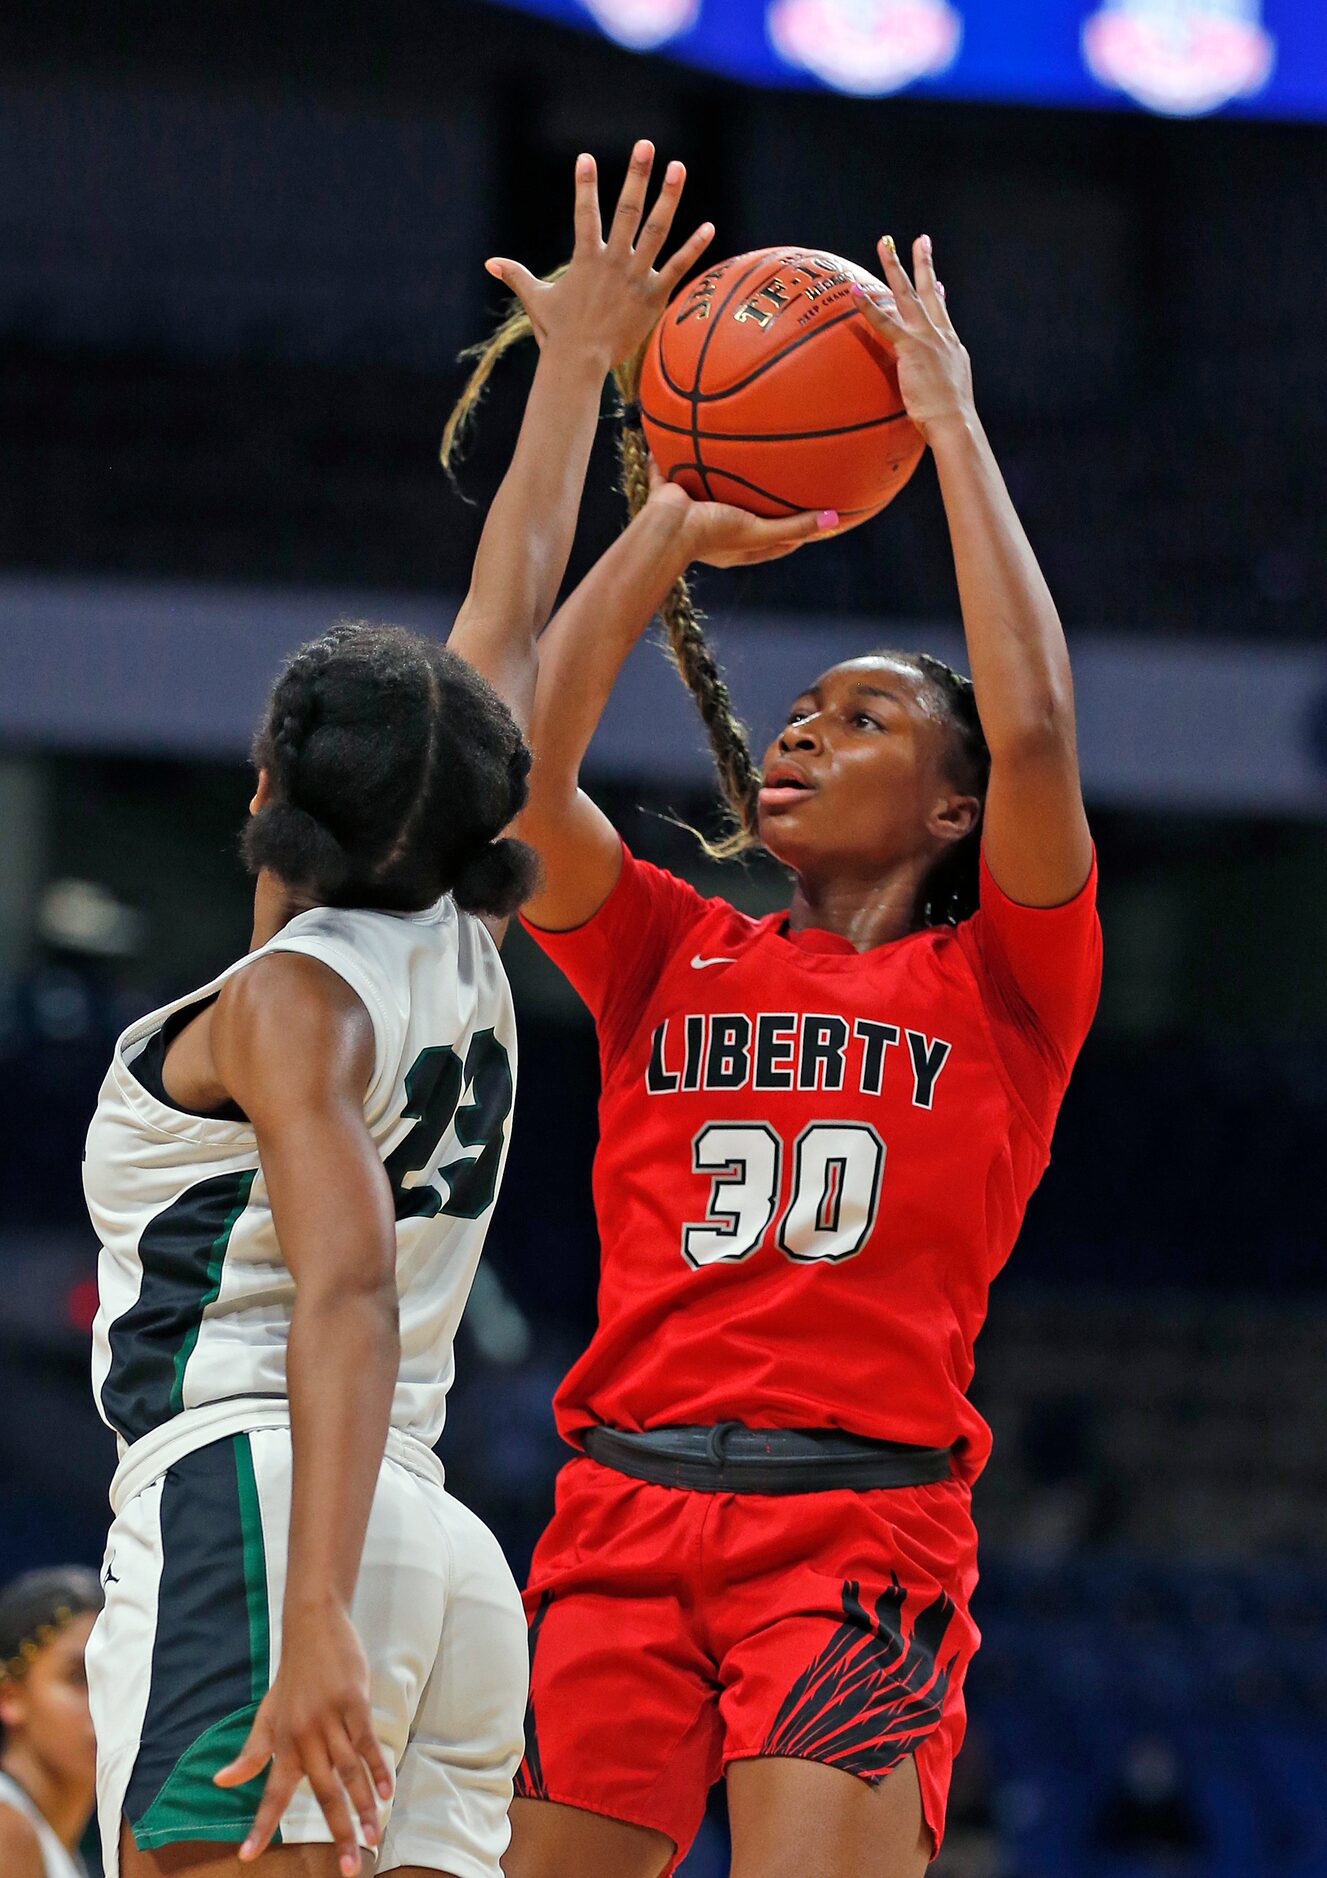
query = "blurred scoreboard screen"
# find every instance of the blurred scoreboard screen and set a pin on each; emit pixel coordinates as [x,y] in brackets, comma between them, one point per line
[1180,58]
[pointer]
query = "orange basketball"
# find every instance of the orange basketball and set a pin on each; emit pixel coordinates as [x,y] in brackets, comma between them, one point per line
[763,386]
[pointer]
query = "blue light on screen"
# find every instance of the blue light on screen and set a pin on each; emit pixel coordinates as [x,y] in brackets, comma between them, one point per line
[1181,58]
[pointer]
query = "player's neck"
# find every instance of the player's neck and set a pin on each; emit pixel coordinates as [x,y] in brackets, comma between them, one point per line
[866,913]
[64,1808]
[274,906]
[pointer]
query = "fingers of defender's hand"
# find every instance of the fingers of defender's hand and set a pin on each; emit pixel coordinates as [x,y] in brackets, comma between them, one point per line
[589,233]
[654,233]
[281,1784]
[631,202]
[675,270]
[516,279]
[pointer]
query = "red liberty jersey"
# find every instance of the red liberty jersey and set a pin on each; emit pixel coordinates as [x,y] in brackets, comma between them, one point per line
[812,1161]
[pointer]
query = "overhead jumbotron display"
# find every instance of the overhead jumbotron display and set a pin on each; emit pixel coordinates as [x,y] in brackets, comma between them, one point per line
[1179,58]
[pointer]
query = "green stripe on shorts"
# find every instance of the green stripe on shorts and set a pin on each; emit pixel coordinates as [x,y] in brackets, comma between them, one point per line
[212,1652]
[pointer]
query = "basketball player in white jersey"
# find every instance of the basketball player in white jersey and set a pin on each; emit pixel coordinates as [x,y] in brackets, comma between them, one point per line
[48,1751]
[291,1171]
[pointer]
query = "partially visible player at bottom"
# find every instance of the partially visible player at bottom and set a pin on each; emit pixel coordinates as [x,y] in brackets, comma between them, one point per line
[48,1752]
[292,1170]
[818,1134]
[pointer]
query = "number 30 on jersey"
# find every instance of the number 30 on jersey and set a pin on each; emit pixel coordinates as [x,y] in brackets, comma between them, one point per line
[836,1173]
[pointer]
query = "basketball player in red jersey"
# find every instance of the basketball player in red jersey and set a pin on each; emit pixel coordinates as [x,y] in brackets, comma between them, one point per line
[818,1135]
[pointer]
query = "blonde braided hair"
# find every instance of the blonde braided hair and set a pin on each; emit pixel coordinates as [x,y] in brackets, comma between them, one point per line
[738,775]
[689,649]
[509,331]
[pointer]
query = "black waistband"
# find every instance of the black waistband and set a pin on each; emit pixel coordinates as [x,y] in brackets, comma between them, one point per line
[730,1458]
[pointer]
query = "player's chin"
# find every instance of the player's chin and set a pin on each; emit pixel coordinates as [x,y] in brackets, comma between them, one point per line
[787,826]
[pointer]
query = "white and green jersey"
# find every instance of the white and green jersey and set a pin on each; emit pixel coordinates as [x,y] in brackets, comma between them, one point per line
[195,1297]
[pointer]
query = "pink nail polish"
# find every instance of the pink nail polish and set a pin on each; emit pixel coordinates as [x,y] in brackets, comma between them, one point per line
[827,518]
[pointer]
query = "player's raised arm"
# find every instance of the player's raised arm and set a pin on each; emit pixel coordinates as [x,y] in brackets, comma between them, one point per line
[1035,832]
[586,319]
[294,1047]
[580,657]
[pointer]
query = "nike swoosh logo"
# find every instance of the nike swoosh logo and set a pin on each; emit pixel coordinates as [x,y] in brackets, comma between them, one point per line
[698,964]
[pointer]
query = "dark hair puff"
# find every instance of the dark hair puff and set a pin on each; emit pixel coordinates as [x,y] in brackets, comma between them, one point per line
[394,769]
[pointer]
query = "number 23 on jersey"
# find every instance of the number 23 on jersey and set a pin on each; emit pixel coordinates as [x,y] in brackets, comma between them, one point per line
[434,1085]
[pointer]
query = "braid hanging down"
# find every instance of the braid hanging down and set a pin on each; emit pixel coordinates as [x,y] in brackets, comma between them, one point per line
[739,777]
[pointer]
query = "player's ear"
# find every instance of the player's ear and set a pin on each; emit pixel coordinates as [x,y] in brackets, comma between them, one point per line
[262,794]
[954,816]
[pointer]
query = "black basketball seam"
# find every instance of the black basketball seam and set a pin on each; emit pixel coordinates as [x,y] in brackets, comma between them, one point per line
[695,445]
[713,397]
[772,436]
[681,390]
[793,508]
[666,375]
[710,397]
[700,366]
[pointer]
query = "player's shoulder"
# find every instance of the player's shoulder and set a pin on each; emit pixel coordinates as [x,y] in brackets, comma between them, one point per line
[20,1848]
[289,1018]
[298,986]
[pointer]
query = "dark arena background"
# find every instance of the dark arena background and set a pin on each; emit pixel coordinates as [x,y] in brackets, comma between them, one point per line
[240,249]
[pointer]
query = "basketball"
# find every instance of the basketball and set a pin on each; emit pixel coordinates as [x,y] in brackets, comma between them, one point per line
[764,387]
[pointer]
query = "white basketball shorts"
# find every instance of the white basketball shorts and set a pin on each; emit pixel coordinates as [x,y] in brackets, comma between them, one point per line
[190,1639]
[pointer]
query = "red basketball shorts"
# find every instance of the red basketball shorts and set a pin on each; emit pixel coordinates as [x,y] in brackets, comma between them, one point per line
[672,1632]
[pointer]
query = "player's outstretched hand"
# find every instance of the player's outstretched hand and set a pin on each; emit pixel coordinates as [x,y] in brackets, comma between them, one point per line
[316,1722]
[609,296]
[723,536]
[934,375]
